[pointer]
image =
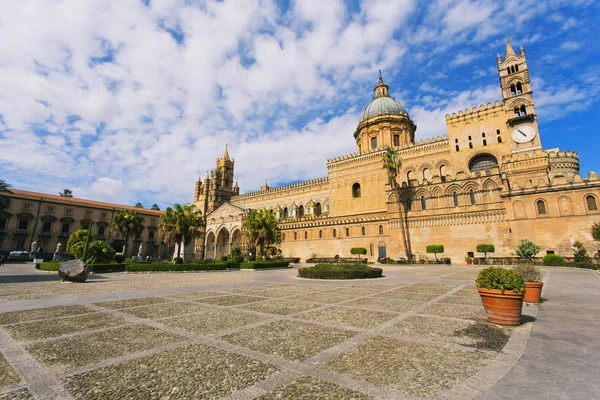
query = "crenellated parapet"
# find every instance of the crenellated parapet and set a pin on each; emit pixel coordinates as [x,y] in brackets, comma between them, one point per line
[426,147]
[305,185]
[563,162]
[474,113]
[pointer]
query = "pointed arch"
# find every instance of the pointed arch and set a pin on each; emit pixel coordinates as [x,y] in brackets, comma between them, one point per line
[490,184]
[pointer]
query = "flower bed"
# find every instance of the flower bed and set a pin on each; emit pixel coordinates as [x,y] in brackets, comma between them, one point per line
[337,271]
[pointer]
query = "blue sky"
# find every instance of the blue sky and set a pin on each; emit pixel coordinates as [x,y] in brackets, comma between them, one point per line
[127,101]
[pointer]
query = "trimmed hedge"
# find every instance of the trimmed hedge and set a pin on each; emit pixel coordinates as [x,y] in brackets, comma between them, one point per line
[264,264]
[550,259]
[47,266]
[291,260]
[582,265]
[168,267]
[336,271]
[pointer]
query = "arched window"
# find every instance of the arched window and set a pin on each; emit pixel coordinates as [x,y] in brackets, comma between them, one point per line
[457,148]
[513,90]
[470,145]
[523,110]
[472,197]
[455,199]
[426,174]
[381,229]
[374,142]
[517,68]
[347,232]
[508,70]
[483,134]
[301,211]
[285,212]
[408,204]
[320,234]
[356,190]
[295,235]
[423,204]
[283,236]
[318,209]
[363,231]
[483,162]
[591,203]
[541,207]
[443,172]
[305,235]
[334,233]
[519,88]
[484,142]
[409,176]
[517,113]
[499,139]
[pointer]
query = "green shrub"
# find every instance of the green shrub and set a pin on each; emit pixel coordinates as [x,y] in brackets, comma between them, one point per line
[178,260]
[119,257]
[358,251]
[496,278]
[336,271]
[527,249]
[435,249]
[235,254]
[48,266]
[530,273]
[167,267]
[580,253]
[485,248]
[264,264]
[596,231]
[104,268]
[552,259]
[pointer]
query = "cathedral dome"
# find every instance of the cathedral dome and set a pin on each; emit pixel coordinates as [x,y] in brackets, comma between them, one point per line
[382,104]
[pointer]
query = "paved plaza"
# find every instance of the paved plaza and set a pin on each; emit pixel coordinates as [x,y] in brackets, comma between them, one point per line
[420,332]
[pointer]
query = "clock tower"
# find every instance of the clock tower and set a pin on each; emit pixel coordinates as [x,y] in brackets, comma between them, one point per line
[517,100]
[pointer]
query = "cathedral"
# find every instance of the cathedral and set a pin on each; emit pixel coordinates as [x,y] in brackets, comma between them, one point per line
[489,180]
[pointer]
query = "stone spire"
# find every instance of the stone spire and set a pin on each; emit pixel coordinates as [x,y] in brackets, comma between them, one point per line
[225,154]
[381,90]
[509,49]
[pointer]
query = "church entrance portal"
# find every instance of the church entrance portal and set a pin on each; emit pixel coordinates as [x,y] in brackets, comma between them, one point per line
[381,250]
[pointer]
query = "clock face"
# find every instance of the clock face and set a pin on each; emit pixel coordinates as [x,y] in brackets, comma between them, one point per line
[523,134]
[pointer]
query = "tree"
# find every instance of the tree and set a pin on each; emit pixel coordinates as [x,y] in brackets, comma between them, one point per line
[435,249]
[180,224]
[527,249]
[485,248]
[260,226]
[596,231]
[580,253]
[139,205]
[98,251]
[66,193]
[236,254]
[4,191]
[392,163]
[128,222]
[155,207]
[358,251]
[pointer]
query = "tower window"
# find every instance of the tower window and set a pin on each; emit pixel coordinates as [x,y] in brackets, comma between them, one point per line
[301,211]
[472,197]
[396,140]
[408,204]
[590,201]
[508,70]
[482,134]
[334,233]
[470,145]
[523,110]
[455,140]
[423,204]
[363,231]
[295,235]
[356,190]
[513,90]
[541,207]
[484,142]
[455,199]
[347,232]
[457,148]
[373,142]
[285,212]
[497,131]
[499,139]
[320,234]
[381,229]
[470,138]
[305,235]
[283,236]
[519,88]
[517,68]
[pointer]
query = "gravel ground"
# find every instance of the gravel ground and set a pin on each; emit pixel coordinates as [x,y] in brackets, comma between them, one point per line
[440,272]
[191,372]
[465,275]
[470,291]
[94,347]
[119,304]
[7,374]
[417,369]
[42,313]
[457,311]
[16,291]
[386,304]
[437,288]
[288,290]
[463,300]
[404,295]
[213,321]
[279,307]
[289,339]
[21,394]
[197,295]
[324,297]
[62,326]
[479,335]
[231,300]
[350,317]
[365,290]
[308,388]
[157,311]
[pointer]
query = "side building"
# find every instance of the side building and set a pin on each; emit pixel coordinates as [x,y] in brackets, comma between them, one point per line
[489,180]
[49,219]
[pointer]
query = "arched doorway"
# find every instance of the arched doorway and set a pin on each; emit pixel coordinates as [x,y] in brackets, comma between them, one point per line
[381,250]
[318,209]
[209,253]
[236,238]
[300,211]
[222,243]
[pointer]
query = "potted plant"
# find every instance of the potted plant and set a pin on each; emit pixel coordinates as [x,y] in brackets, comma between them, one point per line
[533,282]
[501,291]
[469,260]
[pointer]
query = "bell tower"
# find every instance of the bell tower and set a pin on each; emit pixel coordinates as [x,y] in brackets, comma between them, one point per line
[217,187]
[517,100]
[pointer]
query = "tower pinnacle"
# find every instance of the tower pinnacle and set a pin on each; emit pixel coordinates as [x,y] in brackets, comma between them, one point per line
[509,49]
[226,154]
[381,90]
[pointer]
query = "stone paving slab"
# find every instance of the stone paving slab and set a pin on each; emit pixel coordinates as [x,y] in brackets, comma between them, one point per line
[407,295]
[292,340]
[94,347]
[231,300]
[349,317]
[457,311]
[42,313]
[324,297]
[197,295]
[20,394]
[437,288]
[308,388]
[213,321]
[195,371]
[279,307]
[7,374]
[165,310]
[386,304]
[119,304]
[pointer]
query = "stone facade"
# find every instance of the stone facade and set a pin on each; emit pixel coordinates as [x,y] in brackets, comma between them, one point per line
[488,181]
[48,220]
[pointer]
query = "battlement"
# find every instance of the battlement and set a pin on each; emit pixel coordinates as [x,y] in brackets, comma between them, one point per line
[474,112]
[304,184]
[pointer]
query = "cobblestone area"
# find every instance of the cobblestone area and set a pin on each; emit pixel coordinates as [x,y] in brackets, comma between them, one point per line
[265,335]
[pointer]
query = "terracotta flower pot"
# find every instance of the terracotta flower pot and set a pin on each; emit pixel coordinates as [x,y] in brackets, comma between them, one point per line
[533,292]
[502,308]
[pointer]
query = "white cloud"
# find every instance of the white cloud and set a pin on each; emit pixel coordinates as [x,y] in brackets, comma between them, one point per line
[570,46]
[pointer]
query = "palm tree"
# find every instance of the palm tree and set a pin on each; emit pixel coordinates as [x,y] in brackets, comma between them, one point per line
[180,224]
[139,205]
[155,207]
[261,227]
[128,222]
[4,191]
[392,163]
[66,193]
